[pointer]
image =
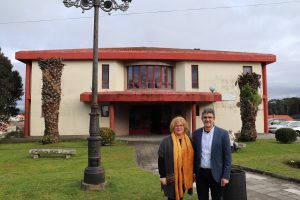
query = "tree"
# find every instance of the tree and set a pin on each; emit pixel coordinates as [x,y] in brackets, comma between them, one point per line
[286,106]
[51,96]
[11,89]
[249,101]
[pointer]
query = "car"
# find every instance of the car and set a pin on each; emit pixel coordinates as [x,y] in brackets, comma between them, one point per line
[283,124]
[274,121]
[295,126]
[297,129]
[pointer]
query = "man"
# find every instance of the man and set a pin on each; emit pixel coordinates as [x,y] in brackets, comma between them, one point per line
[212,162]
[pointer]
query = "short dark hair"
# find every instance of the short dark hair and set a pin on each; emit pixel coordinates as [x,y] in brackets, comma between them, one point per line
[208,110]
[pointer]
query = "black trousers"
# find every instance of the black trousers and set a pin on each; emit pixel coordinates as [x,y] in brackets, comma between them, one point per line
[204,182]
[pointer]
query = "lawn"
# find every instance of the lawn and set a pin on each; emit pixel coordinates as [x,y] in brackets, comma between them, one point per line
[269,155]
[53,178]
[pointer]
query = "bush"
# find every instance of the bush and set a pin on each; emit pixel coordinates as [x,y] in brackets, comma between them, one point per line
[107,136]
[286,135]
[293,163]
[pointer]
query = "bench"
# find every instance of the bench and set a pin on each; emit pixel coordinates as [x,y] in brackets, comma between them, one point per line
[241,145]
[238,146]
[36,153]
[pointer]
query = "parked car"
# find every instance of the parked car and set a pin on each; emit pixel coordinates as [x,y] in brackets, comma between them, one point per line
[297,129]
[296,126]
[274,121]
[283,124]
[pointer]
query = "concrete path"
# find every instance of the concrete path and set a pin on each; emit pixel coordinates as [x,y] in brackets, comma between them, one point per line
[259,187]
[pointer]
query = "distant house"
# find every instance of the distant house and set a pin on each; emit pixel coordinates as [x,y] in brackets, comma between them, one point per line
[141,89]
[285,117]
[17,118]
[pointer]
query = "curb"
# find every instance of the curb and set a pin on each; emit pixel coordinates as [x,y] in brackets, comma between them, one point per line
[295,180]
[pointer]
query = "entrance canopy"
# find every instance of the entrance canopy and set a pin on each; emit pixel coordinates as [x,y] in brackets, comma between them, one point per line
[154,96]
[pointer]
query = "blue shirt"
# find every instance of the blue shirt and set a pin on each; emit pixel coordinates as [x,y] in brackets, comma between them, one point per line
[206,148]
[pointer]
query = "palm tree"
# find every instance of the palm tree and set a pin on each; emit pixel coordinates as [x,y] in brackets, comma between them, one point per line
[249,101]
[51,95]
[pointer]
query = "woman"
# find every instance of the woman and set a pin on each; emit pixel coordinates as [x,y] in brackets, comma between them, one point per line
[175,161]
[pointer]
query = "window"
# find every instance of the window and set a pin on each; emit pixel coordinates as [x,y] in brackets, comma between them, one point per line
[195,82]
[150,76]
[197,110]
[105,76]
[247,69]
[104,111]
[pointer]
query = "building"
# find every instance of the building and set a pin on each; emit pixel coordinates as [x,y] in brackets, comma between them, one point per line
[283,117]
[141,89]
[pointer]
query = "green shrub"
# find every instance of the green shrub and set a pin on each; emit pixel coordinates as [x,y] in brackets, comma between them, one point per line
[286,135]
[107,136]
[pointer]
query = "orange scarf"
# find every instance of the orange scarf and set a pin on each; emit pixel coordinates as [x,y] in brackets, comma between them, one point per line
[183,164]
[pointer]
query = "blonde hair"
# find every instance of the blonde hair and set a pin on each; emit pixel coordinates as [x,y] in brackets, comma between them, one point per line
[179,119]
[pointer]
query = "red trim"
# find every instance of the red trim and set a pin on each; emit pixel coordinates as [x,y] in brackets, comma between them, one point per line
[147,96]
[140,76]
[147,74]
[144,53]
[112,116]
[166,77]
[265,97]
[193,117]
[27,100]
[163,76]
[160,77]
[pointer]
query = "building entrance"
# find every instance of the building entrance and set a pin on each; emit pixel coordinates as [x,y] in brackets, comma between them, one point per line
[151,119]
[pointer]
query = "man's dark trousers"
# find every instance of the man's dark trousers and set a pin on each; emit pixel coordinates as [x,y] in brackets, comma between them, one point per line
[204,181]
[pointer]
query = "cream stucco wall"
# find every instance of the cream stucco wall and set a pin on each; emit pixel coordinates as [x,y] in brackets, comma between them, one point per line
[222,76]
[76,79]
[180,76]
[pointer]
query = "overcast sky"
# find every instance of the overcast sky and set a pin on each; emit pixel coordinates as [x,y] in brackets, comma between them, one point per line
[261,26]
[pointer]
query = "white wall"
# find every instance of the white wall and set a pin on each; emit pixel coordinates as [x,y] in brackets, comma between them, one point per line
[223,76]
[76,79]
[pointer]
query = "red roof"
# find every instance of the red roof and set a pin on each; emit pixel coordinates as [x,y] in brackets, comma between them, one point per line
[287,117]
[146,53]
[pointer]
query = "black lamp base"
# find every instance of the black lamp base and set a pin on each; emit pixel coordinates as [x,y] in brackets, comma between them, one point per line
[94,179]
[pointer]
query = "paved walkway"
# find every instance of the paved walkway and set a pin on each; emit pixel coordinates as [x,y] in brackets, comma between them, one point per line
[259,187]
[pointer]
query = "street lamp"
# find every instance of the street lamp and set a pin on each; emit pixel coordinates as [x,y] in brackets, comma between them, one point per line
[94,176]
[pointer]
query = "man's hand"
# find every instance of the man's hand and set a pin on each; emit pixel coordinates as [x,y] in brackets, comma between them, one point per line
[163,181]
[224,181]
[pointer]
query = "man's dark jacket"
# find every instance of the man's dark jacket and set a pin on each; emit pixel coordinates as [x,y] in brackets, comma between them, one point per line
[220,153]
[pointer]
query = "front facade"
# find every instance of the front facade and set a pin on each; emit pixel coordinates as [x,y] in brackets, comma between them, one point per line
[141,89]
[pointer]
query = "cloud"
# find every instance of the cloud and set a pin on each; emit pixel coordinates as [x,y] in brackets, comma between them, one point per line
[227,25]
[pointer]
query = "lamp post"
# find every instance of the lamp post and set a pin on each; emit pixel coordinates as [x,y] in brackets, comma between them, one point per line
[94,176]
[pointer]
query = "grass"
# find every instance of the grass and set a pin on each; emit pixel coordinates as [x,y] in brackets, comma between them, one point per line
[52,178]
[269,155]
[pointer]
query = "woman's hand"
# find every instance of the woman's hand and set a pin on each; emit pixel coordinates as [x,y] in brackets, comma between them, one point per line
[163,181]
